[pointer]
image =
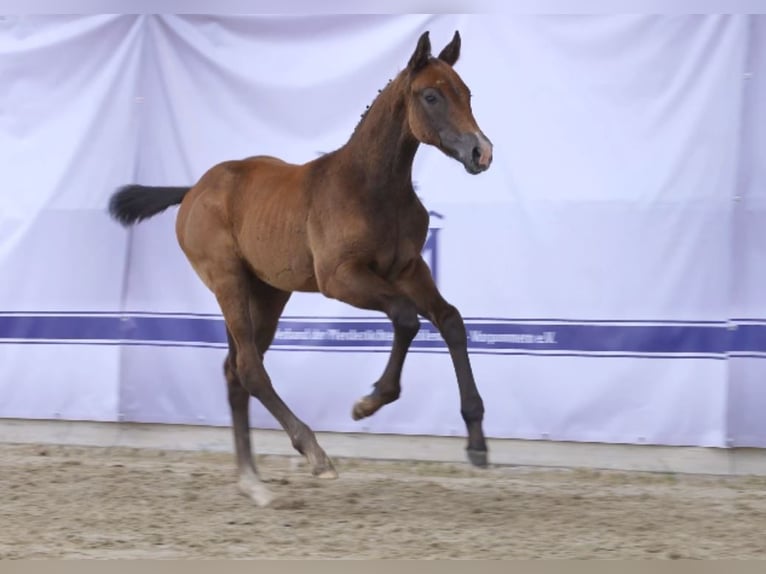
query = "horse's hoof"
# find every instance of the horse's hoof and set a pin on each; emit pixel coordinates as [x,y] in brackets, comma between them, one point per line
[478,458]
[327,474]
[256,491]
[324,469]
[362,408]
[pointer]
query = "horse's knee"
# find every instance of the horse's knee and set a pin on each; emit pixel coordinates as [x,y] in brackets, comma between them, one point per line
[453,327]
[472,410]
[404,317]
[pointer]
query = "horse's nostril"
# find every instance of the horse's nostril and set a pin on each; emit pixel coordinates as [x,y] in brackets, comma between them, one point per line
[476,154]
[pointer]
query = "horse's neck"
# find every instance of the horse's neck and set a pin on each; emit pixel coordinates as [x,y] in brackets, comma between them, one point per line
[382,146]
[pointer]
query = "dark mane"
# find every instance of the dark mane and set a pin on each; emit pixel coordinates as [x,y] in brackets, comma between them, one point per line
[372,103]
[363,115]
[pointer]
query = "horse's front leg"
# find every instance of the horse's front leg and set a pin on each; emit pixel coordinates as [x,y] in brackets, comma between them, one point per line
[418,284]
[357,285]
[388,388]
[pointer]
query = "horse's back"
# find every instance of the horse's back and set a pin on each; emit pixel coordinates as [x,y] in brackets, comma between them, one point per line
[234,181]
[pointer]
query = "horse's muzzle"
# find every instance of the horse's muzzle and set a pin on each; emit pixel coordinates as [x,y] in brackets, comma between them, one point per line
[473,150]
[481,155]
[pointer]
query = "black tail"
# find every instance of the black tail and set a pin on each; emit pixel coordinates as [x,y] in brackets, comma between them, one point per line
[132,203]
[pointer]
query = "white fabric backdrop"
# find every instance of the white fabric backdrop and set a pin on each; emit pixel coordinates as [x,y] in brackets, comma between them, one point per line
[608,265]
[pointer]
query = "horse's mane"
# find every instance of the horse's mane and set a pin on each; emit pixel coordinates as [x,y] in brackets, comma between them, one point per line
[363,115]
[367,108]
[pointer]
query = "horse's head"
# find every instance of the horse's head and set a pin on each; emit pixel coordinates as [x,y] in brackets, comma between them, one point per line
[439,106]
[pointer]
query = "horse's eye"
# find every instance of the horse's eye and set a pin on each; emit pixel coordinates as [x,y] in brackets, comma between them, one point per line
[430,98]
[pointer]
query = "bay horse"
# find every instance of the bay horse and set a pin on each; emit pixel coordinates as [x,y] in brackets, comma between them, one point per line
[348,225]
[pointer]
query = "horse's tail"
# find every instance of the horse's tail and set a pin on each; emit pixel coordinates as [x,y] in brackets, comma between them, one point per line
[132,203]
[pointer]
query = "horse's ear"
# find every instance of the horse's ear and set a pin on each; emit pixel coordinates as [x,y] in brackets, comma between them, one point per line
[421,54]
[451,51]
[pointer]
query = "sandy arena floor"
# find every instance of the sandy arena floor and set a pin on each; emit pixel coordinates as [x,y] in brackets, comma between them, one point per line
[73,502]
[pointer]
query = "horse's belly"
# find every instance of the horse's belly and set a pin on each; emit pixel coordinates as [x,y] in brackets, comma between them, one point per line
[284,270]
[288,279]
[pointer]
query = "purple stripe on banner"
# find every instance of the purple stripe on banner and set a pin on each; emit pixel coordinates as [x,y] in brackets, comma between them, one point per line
[748,338]
[51,327]
[483,335]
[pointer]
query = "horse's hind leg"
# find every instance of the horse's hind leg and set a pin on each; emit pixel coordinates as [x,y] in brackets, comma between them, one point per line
[239,402]
[252,310]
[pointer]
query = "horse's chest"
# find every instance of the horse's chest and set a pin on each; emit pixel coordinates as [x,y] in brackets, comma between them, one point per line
[400,240]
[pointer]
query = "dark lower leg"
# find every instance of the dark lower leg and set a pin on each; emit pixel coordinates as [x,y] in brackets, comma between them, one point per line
[239,403]
[419,285]
[239,399]
[451,326]
[357,285]
[388,387]
[258,384]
